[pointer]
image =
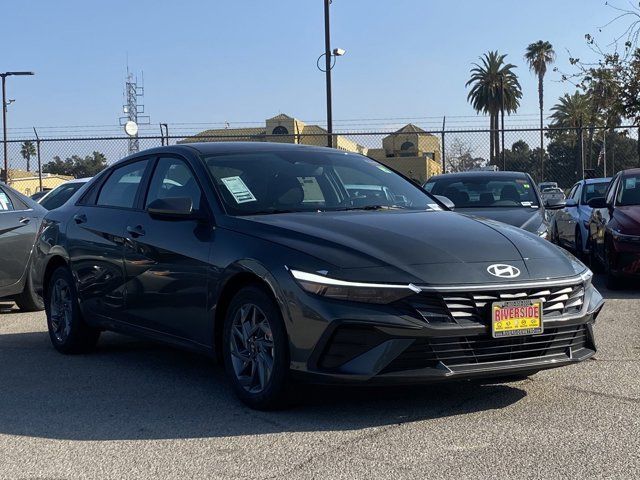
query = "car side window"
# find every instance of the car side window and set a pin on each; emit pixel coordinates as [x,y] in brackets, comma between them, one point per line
[173,178]
[573,191]
[121,187]
[6,205]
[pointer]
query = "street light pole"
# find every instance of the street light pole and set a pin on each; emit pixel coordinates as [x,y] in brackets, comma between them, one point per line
[327,59]
[504,165]
[4,119]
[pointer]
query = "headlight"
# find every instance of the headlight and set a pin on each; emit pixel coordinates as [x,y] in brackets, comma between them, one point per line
[352,291]
[622,237]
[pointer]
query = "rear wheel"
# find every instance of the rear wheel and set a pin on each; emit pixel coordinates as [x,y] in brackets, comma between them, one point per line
[68,331]
[255,349]
[29,300]
[613,281]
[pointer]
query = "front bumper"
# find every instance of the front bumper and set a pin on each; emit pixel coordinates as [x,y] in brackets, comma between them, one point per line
[364,352]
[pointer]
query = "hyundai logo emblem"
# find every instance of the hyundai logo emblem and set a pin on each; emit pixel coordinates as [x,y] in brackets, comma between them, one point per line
[503,271]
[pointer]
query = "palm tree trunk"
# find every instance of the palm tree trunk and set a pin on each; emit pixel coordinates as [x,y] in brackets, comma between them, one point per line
[541,100]
[28,163]
[496,138]
[491,127]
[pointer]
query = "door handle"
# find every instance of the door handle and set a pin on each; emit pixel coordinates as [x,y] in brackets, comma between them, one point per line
[80,218]
[136,231]
[24,220]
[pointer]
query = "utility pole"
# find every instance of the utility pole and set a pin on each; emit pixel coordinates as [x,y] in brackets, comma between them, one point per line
[504,164]
[4,118]
[327,59]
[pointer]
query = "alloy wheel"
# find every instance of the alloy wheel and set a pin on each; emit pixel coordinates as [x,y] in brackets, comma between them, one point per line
[61,308]
[252,348]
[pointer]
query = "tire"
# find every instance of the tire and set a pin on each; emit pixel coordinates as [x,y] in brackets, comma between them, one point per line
[555,238]
[612,281]
[255,349]
[578,243]
[594,263]
[29,300]
[68,331]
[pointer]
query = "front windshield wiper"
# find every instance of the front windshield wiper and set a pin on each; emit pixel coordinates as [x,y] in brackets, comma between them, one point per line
[372,207]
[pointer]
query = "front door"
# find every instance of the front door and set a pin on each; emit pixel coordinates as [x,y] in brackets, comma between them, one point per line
[166,259]
[18,227]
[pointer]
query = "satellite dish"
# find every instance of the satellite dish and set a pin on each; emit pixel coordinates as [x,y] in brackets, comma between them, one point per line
[131,128]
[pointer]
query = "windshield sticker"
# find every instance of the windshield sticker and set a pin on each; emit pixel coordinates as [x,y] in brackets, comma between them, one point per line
[526,185]
[525,204]
[630,183]
[238,189]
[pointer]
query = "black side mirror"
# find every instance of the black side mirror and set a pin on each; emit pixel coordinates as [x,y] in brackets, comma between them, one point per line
[598,202]
[176,208]
[446,201]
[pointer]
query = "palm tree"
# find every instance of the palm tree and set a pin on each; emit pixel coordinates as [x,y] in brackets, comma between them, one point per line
[539,56]
[489,79]
[27,150]
[572,111]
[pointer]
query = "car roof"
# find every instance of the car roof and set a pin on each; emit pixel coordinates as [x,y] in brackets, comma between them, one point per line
[631,171]
[589,181]
[479,174]
[209,148]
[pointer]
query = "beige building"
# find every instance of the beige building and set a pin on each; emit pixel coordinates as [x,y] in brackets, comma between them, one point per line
[28,183]
[410,150]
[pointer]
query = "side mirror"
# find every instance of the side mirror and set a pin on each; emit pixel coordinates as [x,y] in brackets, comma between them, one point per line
[598,202]
[177,207]
[554,204]
[570,203]
[446,202]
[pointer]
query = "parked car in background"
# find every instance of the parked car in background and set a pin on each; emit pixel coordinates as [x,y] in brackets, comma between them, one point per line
[59,195]
[542,186]
[552,195]
[38,195]
[20,219]
[570,225]
[508,197]
[614,228]
[270,256]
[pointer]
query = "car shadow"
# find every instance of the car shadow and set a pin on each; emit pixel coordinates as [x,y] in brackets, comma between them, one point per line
[131,389]
[630,289]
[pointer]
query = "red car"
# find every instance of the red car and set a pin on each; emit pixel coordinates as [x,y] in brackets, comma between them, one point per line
[614,228]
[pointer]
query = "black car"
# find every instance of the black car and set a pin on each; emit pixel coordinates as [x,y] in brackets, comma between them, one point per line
[20,219]
[509,197]
[271,257]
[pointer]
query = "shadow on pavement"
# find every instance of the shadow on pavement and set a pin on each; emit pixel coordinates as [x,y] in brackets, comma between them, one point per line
[630,289]
[132,389]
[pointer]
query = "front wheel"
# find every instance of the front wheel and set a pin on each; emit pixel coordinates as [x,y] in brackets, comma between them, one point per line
[255,349]
[68,331]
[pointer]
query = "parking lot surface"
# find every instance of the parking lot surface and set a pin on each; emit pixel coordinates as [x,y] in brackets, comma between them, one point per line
[134,409]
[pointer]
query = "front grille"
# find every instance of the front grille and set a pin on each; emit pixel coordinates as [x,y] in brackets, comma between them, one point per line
[452,351]
[469,308]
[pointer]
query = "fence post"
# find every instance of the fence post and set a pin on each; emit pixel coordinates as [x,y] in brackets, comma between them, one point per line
[581,130]
[39,160]
[444,169]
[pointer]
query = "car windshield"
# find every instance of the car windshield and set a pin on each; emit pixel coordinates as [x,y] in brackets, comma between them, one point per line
[252,183]
[485,191]
[629,193]
[594,190]
[59,195]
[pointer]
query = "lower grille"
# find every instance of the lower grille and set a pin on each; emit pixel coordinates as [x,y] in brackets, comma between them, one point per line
[349,341]
[452,351]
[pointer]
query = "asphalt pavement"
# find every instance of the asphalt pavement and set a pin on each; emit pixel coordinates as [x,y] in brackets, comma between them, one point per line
[134,409]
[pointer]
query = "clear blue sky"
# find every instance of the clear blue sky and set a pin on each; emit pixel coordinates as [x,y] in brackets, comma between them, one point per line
[245,60]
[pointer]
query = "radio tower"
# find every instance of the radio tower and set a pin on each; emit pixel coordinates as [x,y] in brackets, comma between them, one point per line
[133,95]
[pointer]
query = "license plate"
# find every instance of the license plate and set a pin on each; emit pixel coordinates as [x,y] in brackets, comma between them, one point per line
[516,317]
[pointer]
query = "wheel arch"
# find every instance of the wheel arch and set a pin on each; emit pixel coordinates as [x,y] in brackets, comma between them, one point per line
[53,264]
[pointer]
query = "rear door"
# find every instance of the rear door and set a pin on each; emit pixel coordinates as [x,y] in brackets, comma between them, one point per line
[166,260]
[18,228]
[95,239]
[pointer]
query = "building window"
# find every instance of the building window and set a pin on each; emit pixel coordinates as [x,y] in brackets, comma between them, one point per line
[407,146]
[280,130]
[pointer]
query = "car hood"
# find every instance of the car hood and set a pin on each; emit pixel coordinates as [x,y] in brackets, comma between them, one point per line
[628,218]
[527,218]
[406,246]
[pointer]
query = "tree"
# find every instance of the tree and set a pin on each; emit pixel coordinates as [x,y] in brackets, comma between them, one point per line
[488,81]
[539,56]
[77,166]
[459,157]
[27,150]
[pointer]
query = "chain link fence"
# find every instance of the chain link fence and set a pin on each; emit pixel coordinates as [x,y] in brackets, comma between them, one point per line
[567,154]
